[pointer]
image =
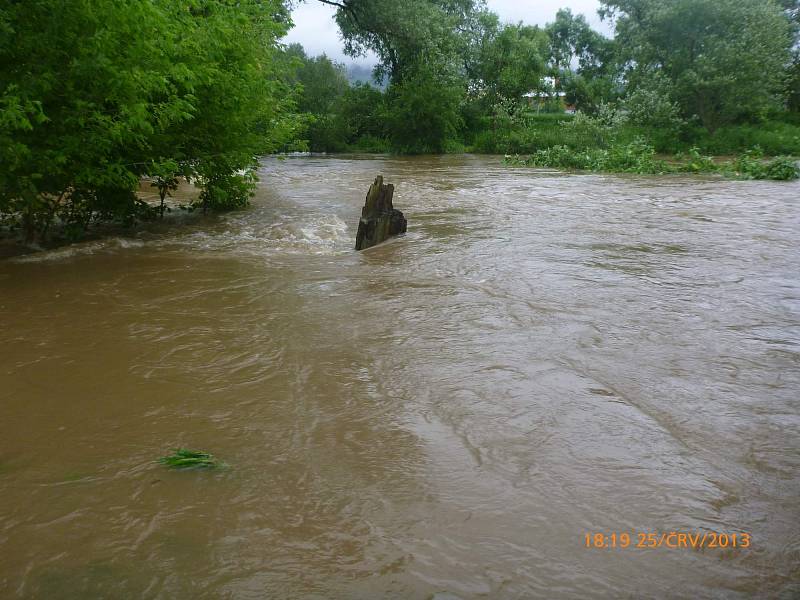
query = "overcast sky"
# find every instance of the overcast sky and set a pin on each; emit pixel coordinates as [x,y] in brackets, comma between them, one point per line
[316,30]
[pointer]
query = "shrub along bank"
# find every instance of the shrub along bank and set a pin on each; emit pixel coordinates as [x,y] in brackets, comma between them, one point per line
[640,157]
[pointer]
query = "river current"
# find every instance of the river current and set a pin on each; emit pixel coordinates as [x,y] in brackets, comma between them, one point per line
[445,416]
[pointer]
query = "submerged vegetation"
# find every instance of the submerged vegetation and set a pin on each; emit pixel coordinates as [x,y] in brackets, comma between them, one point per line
[181,458]
[97,96]
[602,144]
[639,157]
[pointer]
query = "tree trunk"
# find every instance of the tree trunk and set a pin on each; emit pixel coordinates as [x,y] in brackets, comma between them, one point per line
[162,193]
[379,219]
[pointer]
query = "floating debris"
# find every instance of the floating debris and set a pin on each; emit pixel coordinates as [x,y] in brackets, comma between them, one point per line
[181,458]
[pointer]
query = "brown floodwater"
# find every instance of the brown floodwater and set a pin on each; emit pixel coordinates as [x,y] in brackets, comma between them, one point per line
[445,416]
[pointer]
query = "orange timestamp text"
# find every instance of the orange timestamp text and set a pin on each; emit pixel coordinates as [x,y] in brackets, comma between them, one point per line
[670,539]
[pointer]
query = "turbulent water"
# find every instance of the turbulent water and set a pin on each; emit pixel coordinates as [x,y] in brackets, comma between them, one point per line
[443,416]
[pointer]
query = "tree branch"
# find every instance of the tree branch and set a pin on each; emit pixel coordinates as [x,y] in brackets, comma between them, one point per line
[344,5]
[332,3]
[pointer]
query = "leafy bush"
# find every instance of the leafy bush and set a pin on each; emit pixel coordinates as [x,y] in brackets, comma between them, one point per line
[559,157]
[223,191]
[652,108]
[126,88]
[532,132]
[370,144]
[636,157]
[751,165]
[485,142]
[423,110]
[328,133]
[694,162]
[775,137]
[641,115]
[782,168]
[639,157]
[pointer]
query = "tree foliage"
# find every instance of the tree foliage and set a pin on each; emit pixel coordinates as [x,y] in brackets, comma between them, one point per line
[424,111]
[421,45]
[338,117]
[323,81]
[571,40]
[723,60]
[581,61]
[512,62]
[97,94]
[403,34]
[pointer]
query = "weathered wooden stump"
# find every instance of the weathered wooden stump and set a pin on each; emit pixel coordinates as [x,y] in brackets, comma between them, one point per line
[379,219]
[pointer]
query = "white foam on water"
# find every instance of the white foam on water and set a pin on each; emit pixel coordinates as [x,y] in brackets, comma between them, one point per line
[80,249]
[325,234]
[284,234]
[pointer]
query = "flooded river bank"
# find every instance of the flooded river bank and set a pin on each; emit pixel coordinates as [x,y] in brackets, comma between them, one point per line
[444,416]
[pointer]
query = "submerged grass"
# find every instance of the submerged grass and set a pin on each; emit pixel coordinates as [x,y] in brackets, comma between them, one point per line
[640,157]
[181,458]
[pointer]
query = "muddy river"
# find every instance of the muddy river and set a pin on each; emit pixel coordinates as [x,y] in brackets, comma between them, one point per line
[446,416]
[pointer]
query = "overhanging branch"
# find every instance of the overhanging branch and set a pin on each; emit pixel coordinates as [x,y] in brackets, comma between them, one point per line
[337,4]
[344,5]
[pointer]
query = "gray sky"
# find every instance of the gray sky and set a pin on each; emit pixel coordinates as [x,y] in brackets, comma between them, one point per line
[316,30]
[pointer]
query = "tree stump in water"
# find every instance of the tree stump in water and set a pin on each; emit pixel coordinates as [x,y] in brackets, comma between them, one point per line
[379,219]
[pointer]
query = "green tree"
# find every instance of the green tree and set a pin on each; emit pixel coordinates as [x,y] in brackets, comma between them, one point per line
[571,40]
[422,46]
[323,81]
[424,110]
[404,33]
[792,81]
[97,94]
[363,108]
[512,62]
[581,60]
[723,60]
[339,116]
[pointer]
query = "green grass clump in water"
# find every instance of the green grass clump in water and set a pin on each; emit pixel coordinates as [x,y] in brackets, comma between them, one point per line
[639,157]
[181,458]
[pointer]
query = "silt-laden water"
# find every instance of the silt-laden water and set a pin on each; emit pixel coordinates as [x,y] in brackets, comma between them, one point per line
[444,416]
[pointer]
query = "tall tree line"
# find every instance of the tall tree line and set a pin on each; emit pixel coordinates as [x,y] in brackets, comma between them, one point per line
[454,68]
